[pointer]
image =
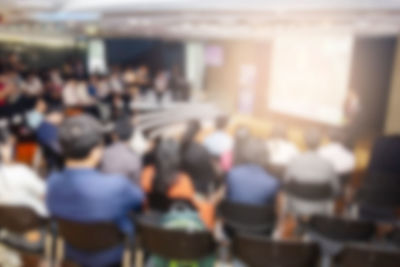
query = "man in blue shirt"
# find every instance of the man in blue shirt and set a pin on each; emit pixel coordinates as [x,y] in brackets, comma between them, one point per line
[248,182]
[82,194]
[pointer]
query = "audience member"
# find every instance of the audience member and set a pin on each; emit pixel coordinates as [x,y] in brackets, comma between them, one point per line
[281,150]
[309,168]
[33,85]
[81,194]
[36,116]
[219,142]
[248,175]
[119,158]
[342,158]
[19,185]
[47,132]
[167,178]
[197,162]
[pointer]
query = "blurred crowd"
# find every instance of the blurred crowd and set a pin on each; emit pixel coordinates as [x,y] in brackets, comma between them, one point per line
[91,174]
[108,94]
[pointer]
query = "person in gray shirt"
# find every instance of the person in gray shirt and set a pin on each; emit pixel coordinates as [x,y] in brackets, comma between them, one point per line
[119,158]
[311,169]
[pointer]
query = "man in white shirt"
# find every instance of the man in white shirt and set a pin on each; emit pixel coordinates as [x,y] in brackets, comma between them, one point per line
[19,185]
[219,142]
[342,158]
[281,151]
[33,85]
[76,93]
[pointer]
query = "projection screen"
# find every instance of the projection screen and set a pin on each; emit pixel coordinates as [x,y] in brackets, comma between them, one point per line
[310,76]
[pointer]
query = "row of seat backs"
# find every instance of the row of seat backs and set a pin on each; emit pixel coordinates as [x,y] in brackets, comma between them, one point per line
[252,249]
[380,190]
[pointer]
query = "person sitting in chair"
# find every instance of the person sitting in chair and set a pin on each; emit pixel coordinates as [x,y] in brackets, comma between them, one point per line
[82,194]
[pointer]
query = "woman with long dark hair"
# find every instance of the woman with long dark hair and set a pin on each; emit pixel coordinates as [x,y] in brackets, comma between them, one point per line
[166,177]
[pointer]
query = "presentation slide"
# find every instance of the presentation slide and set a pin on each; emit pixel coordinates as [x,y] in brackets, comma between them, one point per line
[310,77]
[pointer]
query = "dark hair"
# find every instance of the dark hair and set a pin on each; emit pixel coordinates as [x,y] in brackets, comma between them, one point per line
[198,163]
[167,163]
[221,122]
[79,135]
[193,128]
[124,129]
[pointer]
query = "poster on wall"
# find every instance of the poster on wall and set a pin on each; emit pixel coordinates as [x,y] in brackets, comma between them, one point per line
[214,56]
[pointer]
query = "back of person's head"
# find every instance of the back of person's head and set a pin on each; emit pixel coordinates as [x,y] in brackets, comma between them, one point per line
[192,130]
[79,136]
[241,135]
[40,105]
[252,151]
[198,163]
[337,136]
[279,131]
[54,114]
[123,129]
[167,164]
[221,122]
[312,138]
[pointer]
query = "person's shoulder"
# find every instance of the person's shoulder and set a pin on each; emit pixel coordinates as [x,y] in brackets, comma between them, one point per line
[22,170]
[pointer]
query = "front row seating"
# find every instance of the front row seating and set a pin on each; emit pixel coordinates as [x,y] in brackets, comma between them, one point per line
[244,218]
[91,238]
[364,256]
[258,251]
[176,244]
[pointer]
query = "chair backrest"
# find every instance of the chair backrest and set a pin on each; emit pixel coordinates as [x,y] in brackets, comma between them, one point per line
[162,203]
[379,197]
[258,251]
[310,191]
[175,244]
[19,219]
[363,256]
[380,190]
[90,237]
[394,237]
[340,229]
[245,218]
[385,155]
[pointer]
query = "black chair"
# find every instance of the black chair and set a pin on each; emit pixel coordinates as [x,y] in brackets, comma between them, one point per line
[309,191]
[91,238]
[380,190]
[394,237]
[172,243]
[340,229]
[244,218]
[364,256]
[19,220]
[385,155]
[258,251]
[161,203]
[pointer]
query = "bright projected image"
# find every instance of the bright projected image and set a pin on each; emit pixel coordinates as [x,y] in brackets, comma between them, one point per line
[310,76]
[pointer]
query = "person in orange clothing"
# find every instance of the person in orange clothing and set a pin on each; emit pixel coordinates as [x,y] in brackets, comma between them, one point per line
[166,177]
